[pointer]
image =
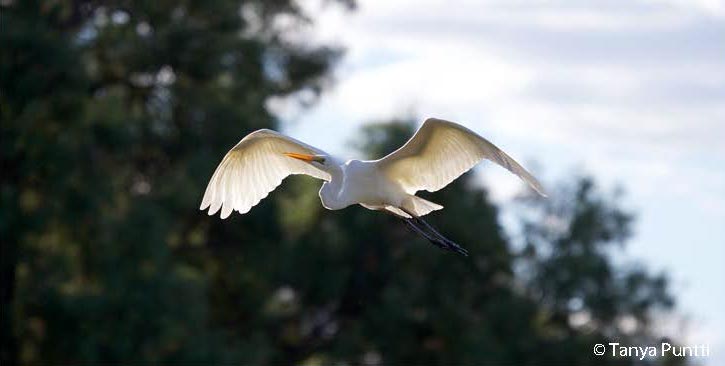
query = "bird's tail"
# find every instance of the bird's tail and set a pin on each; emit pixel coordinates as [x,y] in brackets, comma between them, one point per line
[417,207]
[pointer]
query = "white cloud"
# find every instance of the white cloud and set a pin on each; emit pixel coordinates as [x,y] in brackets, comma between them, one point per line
[436,55]
[469,79]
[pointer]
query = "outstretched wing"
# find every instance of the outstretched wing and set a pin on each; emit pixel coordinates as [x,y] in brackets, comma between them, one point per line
[440,152]
[253,168]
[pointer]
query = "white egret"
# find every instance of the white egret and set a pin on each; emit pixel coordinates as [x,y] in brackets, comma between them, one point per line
[438,153]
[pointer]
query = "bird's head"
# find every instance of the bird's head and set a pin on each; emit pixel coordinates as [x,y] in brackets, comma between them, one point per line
[318,161]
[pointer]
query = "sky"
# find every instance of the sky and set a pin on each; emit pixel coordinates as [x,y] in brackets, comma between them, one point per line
[629,91]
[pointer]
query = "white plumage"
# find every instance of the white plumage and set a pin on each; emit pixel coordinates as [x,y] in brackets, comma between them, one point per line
[253,168]
[438,153]
[442,151]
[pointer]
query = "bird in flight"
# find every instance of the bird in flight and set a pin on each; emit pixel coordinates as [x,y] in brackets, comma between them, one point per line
[438,153]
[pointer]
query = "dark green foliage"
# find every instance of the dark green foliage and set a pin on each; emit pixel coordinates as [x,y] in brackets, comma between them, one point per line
[114,115]
[571,258]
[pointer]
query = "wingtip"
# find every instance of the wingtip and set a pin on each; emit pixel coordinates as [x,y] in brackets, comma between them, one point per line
[540,192]
[205,201]
[536,185]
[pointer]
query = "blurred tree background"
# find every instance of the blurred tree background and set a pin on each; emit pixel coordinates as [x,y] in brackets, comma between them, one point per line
[114,115]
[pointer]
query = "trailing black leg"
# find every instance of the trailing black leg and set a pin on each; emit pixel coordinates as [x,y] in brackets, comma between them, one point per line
[435,241]
[453,246]
[433,236]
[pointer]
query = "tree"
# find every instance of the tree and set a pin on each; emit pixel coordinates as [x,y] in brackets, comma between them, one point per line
[113,113]
[571,270]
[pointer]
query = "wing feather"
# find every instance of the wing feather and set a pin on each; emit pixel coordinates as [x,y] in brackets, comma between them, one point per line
[441,151]
[254,168]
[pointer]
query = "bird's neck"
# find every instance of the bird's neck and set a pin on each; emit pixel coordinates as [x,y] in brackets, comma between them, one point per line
[330,193]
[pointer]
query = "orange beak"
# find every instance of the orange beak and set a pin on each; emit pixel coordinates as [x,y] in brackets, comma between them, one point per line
[306,157]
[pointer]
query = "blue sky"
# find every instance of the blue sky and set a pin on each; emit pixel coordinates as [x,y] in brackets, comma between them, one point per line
[632,92]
